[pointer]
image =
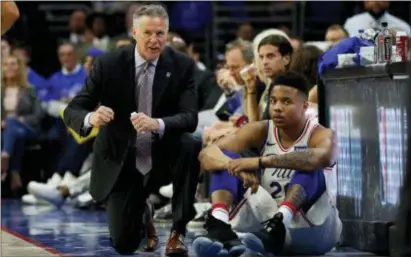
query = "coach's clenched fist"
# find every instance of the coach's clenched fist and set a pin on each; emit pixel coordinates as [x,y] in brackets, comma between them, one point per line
[101,116]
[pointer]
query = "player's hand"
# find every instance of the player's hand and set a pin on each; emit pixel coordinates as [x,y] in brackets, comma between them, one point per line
[250,180]
[212,158]
[101,116]
[243,164]
[143,123]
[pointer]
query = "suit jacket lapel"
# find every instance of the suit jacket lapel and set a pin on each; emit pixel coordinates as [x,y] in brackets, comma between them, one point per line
[161,78]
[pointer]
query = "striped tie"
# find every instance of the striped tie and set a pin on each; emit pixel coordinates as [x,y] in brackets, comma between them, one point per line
[143,140]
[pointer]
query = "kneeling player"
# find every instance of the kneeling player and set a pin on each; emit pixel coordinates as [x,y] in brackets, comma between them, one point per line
[293,211]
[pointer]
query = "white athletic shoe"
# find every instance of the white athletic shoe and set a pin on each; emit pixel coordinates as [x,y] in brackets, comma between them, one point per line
[167,191]
[30,199]
[68,179]
[46,192]
[49,192]
[83,200]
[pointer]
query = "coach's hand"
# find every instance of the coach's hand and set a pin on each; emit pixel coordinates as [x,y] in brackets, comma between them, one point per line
[143,123]
[101,116]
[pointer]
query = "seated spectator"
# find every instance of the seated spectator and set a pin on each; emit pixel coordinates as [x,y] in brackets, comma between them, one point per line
[238,55]
[65,83]
[95,36]
[273,52]
[97,23]
[334,34]
[376,13]
[70,162]
[77,27]
[34,79]
[5,48]
[305,62]
[245,32]
[21,115]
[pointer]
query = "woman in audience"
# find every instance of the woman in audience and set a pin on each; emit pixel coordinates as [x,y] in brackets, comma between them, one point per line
[305,61]
[70,162]
[21,116]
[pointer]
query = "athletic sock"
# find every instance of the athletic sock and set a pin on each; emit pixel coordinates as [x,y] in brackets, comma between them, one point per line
[220,212]
[288,210]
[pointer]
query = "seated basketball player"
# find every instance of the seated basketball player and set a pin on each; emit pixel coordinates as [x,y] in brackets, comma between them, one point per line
[289,206]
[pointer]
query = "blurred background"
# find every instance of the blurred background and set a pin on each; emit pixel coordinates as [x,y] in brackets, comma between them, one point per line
[208,25]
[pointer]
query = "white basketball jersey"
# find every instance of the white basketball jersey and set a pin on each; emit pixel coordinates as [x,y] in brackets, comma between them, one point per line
[276,180]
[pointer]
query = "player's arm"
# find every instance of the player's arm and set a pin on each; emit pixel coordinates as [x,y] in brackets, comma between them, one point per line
[9,14]
[322,153]
[252,135]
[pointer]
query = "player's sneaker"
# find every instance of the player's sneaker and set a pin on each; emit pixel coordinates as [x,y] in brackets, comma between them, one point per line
[268,240]
[220,240]
[51,193]
[30,199]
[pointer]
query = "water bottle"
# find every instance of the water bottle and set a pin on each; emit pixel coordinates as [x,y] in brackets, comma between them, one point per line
[384,45]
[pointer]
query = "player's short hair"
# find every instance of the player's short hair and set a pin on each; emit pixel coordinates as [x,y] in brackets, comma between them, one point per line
[291,79]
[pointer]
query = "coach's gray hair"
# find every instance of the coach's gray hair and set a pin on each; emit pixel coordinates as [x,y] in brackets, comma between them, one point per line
[245,47]
[151,10]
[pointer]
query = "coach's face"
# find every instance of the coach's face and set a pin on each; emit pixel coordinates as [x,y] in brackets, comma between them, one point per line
[287,106]
[150,34]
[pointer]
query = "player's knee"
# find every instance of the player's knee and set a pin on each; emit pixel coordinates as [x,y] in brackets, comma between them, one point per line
[313,183]
[222,180]
[125,245]
[232,155]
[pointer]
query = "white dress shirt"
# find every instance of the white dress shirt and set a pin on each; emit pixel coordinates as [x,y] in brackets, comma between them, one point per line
[365,20]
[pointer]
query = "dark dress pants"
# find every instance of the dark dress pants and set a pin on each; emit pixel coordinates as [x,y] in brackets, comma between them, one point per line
[175,160]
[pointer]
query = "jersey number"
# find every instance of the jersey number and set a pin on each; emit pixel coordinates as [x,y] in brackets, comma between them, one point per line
[277,188]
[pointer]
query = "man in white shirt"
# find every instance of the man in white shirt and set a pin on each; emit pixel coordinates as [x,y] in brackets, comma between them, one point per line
[376,13]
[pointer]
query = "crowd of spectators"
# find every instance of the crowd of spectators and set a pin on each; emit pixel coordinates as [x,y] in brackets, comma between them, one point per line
[233,93]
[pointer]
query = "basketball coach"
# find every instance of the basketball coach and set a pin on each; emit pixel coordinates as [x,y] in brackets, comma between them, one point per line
[142,97]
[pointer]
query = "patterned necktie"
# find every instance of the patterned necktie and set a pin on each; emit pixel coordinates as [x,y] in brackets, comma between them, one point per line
[143,140]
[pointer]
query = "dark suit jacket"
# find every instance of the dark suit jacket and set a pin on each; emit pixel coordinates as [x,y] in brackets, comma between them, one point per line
[28,107]
[208,90]
[112,83]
